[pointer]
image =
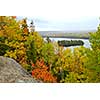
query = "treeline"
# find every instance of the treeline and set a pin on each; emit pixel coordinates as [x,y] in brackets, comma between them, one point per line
[64,34]
[67,43]
[47,61]
[73,37]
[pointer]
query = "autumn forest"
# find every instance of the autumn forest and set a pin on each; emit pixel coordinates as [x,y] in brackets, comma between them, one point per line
[47,61]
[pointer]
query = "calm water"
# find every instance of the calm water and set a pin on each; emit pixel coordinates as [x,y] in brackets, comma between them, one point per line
[86,42]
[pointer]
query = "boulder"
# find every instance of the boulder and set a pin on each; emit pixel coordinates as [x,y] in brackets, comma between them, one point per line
[12,72]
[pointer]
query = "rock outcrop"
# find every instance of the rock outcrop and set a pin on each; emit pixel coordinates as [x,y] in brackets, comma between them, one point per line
[12,72]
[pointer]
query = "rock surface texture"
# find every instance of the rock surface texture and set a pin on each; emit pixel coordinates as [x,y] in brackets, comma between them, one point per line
[12,72]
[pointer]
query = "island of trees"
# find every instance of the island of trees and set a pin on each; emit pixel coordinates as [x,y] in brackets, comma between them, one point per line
[67,43]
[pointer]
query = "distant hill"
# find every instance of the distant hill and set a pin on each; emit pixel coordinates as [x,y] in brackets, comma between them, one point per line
[65,34]
[61,32]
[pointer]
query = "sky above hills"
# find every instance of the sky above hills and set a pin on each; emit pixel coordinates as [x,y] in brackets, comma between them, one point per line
[64,15]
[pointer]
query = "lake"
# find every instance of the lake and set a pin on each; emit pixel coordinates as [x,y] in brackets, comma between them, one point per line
[86,42]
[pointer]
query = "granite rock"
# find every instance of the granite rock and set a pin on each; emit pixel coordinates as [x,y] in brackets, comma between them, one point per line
[12,72]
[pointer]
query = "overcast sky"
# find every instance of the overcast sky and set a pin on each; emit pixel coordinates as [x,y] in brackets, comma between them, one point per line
[64,14]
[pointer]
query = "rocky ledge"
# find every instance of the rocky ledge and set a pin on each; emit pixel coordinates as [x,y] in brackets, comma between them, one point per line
[12,72]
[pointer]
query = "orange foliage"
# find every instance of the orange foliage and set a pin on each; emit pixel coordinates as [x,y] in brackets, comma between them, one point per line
[41,72]
[25,30]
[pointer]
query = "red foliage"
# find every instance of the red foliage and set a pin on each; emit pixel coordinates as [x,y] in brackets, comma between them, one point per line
[33,65]
[41,72]
[13,16]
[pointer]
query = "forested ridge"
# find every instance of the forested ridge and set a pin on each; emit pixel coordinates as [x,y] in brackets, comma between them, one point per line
[46,60]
